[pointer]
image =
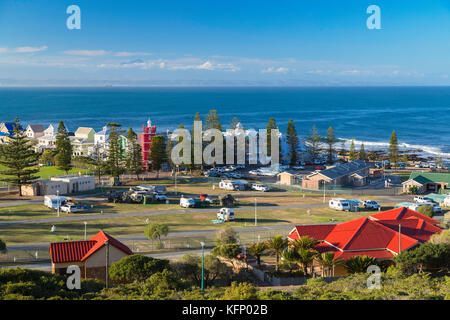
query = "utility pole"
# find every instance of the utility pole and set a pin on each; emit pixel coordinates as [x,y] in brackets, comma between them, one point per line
[85,224]
[176,171]
[107,262]
[203,265]
[399,238]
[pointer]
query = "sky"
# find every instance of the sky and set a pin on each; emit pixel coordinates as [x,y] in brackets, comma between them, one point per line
[299,43]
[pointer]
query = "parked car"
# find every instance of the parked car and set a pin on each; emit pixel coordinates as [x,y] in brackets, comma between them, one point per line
[260,187]
[371,204]
[298,167]
[160,197]
[52,202]
[187,202]
[320,167]
[422,199]
[436,207]
[69,207]
[339,204]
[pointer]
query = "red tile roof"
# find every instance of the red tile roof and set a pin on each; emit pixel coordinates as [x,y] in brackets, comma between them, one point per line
[401,213]
[77,251]
[372,237]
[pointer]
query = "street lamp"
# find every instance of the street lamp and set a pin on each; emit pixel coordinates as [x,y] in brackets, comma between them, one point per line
[203,264]
[256,213]
[85,224]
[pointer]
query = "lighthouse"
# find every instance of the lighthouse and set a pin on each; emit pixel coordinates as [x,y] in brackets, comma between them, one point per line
[149,132]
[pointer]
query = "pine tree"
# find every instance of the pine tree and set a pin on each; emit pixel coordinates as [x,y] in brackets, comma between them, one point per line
[18,158]
[158,154]
[393,148]
[330,140]
[362,153]
[212,120]
[134,154]
[115,162]
[353,155]
[292,142]
[313,143]
[97,162]
[63,150]
[234,123]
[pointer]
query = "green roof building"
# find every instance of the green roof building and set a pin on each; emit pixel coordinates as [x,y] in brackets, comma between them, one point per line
[427,182]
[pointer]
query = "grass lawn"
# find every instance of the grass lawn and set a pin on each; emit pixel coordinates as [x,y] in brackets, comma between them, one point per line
[126,226]
[48,172]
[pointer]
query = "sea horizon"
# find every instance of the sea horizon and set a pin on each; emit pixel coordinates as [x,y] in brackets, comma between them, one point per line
[367,114]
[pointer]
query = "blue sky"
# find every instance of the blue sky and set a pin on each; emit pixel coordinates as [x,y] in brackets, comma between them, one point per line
[224,43]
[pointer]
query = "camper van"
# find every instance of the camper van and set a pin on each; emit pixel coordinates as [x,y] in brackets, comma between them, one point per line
[53,202]
[225,214]
[227,185]
[187,202]
[339,204]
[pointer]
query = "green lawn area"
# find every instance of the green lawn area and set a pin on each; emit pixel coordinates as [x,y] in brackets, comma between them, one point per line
[126,226]
[48,172]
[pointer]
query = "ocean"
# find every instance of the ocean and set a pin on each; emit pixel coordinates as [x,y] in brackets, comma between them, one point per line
[420,115]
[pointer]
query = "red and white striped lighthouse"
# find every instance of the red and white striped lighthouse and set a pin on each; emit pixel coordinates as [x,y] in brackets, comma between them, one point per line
[149,132]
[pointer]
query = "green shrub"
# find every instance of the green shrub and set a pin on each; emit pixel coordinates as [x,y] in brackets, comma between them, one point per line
[136,267]
[426,210]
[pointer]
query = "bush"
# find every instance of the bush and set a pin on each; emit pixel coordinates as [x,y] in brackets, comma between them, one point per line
[426,210]
[136,267]
[240,291]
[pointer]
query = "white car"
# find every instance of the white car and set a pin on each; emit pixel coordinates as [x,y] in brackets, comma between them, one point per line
[371,204]
[187,202]
[422,199]
[69,207]
[260,187]
[254,172]
[298,167]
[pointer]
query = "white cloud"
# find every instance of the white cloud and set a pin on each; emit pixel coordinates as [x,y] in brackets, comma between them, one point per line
[26,49]
[275,70]
[207,65]
[89,53]
[131,54]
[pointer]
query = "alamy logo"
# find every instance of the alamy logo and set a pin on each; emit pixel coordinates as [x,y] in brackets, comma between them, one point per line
[187,151]
[374,20]
[74,280]
[74,20]
[374,280]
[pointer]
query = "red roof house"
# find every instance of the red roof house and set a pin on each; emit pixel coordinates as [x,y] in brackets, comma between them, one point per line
[89,255]
[379,236]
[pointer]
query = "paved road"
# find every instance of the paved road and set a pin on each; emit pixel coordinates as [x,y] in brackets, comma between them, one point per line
[47,266]
[18,203]
[148,213]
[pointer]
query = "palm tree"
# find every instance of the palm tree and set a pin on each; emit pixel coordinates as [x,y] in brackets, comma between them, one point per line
[290,256]
[304,242]
[257,249]
[306,257]
[359,264]
[277,244]
[328,261]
